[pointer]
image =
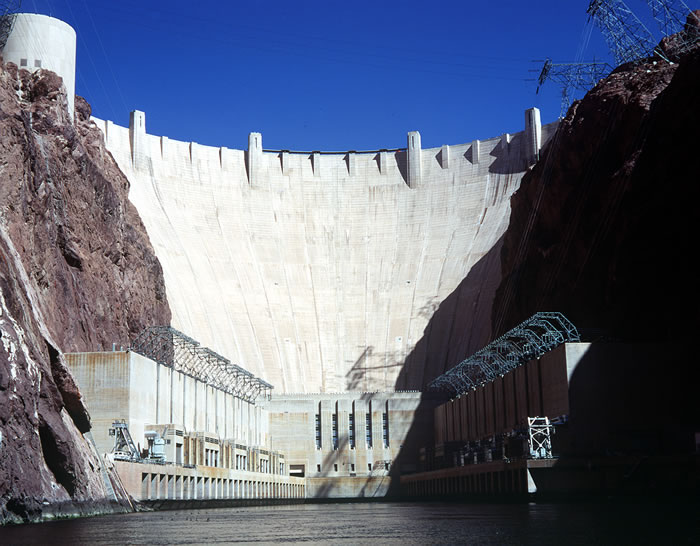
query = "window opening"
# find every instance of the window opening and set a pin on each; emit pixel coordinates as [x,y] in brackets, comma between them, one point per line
[351,428]
[335,430]
[385,425]
[368,427]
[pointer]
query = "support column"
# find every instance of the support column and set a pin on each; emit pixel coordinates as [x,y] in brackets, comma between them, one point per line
[533,135]
[137,138]
[413,158]
[254,158]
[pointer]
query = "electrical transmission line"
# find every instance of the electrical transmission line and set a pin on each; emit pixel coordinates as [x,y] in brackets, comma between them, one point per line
[627,37]
[671,16]
[572,77]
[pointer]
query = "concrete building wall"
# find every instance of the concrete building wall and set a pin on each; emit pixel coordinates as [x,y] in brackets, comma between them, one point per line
[39,41]
[319,272]
[349,467]
[538,388]
[103,378]
[170,482]
[126,385]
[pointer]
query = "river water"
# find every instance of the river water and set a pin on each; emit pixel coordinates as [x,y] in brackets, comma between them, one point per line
[382,523]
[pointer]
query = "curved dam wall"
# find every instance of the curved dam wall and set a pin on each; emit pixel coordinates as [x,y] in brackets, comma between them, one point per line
[320,271]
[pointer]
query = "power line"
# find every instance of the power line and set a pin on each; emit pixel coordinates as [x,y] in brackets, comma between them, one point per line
[571,77]
[627,37]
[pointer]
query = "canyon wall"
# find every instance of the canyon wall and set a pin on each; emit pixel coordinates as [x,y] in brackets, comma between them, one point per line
[77,272]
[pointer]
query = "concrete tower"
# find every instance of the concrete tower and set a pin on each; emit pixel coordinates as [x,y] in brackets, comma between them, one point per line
[39,41]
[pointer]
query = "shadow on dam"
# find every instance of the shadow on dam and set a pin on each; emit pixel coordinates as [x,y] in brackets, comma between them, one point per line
[459,326]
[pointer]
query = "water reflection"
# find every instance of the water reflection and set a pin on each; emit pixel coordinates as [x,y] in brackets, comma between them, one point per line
[382,523]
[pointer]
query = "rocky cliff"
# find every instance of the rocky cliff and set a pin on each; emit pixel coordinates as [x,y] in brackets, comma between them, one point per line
[603,228]
[77,272]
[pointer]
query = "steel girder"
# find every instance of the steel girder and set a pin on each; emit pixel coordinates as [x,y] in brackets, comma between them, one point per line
[531,339]
[580,76]
[8,13]
[172,348]
[627,37]
[670,15]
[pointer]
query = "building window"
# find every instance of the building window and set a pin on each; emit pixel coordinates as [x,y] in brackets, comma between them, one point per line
[23,62]
[335,467]
[385,425]
[368,427]
[352,467]
[37,63]
[351,428]
[335,430]
[318,468]
[318,430]
[369,467]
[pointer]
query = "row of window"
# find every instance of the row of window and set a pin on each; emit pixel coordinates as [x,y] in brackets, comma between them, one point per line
[352,467]
[351,427]
[24,62]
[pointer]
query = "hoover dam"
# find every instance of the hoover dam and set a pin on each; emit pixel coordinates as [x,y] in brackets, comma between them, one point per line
[319,271]
[184,324]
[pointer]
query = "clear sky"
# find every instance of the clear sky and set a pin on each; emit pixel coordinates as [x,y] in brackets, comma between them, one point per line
[324,75]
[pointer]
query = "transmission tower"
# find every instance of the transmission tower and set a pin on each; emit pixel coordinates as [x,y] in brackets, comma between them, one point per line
[627,37]
[8,12]
[572,77]
[671,16]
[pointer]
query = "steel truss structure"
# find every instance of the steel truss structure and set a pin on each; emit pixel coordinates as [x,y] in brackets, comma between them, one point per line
[8,13]
[539,441]
[530,339]
[124,448]
[627,37]
[571,77]
[172,348]
[671,16]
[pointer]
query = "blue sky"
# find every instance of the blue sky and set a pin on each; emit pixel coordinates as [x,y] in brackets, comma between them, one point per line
[323,75]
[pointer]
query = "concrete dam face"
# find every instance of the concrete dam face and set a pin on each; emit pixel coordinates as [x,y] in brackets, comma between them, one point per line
[320,272]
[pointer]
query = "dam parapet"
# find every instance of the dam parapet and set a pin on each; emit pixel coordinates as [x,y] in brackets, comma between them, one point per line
[261,167]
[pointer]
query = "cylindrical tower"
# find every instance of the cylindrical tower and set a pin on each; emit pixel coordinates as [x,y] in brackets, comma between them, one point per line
[39,41]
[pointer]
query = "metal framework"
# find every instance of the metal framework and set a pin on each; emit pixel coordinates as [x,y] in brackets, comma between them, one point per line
[531,339]
[572,77]
[172,348]
[539,441]
[124,448]
[671,16]
[627,37]
[8,13]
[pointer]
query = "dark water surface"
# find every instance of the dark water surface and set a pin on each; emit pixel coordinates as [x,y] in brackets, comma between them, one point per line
[383,523]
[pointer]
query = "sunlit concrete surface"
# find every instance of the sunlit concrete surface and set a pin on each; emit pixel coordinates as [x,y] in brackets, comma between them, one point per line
[39,41]
[319,272]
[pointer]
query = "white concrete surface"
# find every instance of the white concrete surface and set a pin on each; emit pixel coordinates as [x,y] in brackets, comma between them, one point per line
[126,385]
[320,272]
[39,41]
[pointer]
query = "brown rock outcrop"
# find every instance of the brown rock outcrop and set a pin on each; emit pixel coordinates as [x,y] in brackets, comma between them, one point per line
[604,228]
[77,272]
[610,209]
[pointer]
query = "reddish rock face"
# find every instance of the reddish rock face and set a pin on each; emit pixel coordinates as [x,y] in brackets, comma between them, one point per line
[611,209]
[604,230]
[64,204]
[77,272]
